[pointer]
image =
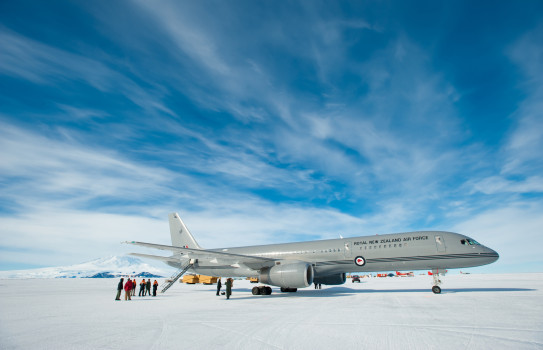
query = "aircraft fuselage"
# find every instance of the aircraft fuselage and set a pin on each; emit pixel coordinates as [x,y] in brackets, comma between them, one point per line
[423,250]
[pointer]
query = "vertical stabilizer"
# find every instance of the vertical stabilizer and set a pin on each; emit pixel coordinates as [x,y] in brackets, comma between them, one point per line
[181,236]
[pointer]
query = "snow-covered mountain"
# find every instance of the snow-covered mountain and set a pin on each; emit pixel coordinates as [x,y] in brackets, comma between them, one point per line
[112,266]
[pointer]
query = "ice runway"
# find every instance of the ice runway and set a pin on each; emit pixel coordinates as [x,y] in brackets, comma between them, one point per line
[473,312]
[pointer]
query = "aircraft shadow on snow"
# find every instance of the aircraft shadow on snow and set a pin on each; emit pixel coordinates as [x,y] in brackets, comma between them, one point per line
[344,291]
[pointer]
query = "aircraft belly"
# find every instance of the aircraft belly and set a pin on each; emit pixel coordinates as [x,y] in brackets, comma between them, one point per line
[225,271]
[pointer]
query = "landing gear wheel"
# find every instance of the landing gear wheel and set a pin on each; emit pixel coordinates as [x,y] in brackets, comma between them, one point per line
[288,290]
[256,291]
[268,290]
[436,290]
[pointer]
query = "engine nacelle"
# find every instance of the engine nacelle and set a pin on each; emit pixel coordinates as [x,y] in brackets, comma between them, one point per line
[331,279]
[288,274]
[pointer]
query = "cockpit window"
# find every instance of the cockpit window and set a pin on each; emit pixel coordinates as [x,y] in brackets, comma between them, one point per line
[469,241]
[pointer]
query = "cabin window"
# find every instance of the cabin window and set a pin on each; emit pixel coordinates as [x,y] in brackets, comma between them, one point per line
[400,245]
[394,245]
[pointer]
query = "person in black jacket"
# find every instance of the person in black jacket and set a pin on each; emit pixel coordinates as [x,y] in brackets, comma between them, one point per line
[119,289]
[148,285]
[219,285]
[155,286]
[142,288]
[229,283]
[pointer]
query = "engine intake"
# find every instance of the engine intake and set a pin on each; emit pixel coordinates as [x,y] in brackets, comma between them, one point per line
[288,274]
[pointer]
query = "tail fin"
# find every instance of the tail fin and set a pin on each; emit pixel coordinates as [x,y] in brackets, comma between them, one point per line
[181,236]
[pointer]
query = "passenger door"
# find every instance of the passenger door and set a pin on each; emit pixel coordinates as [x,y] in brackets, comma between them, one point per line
[348,250]
[440,244]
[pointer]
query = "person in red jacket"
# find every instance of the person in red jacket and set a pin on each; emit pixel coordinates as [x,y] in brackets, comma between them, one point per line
[127,289]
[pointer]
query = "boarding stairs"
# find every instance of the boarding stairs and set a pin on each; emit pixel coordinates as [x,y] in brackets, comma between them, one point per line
[170,281]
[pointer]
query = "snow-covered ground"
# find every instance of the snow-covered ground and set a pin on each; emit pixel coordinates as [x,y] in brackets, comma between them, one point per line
[473,312]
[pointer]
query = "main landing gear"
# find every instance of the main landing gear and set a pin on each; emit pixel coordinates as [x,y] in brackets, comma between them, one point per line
[435,275]
[262,290]
[289,290]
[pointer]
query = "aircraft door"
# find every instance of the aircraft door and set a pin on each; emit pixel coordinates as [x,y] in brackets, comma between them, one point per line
[440,244]
[348,249]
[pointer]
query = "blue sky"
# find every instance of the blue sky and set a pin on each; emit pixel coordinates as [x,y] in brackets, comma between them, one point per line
[264,122]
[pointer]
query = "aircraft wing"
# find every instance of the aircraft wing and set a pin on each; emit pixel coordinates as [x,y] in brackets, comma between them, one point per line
[220,258]
[157,257]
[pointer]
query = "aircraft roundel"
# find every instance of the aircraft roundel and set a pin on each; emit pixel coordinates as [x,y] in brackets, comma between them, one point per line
[360,261]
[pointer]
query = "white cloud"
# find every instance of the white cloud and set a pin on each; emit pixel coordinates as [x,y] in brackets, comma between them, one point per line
[523,148]
[514,230]
[498,184]
[43,64]
[43,167]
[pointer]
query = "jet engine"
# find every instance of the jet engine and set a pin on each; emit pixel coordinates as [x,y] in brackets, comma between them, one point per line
[288,274]
[331,279]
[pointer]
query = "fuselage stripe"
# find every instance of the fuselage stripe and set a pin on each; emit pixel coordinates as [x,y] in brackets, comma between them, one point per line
[412,258]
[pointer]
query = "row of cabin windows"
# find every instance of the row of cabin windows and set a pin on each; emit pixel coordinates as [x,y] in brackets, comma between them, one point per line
[334,250]
[380,246]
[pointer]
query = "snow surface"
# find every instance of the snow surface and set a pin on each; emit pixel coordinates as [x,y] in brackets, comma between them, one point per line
[473,312]
[114,265]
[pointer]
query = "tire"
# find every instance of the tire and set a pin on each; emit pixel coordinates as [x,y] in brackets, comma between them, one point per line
[267,290]
[256,291]
[436,290]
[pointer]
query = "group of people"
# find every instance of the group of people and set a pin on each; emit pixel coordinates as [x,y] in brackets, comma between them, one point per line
[229,283]
[130,288]
[145,288]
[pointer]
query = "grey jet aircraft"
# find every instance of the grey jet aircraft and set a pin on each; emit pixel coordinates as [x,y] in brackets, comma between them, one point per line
[298,265]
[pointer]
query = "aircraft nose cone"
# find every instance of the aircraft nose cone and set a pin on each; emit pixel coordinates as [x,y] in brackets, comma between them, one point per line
[492,255]
[496,255]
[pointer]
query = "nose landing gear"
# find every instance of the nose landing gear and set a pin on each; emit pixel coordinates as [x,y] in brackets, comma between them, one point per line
[435,275]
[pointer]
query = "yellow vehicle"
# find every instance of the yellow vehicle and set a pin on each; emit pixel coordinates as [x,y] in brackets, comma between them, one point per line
[253,279]
[191,279]
[208,279]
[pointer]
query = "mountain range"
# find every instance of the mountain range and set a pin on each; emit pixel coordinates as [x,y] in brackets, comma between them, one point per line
[108,267]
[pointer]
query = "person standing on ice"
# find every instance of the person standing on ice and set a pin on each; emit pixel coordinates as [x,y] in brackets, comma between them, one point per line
[148,287]
[142,288]
[127,290]
[155,286]
[219,285]
[228,288]
[134,287]
[119,289]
